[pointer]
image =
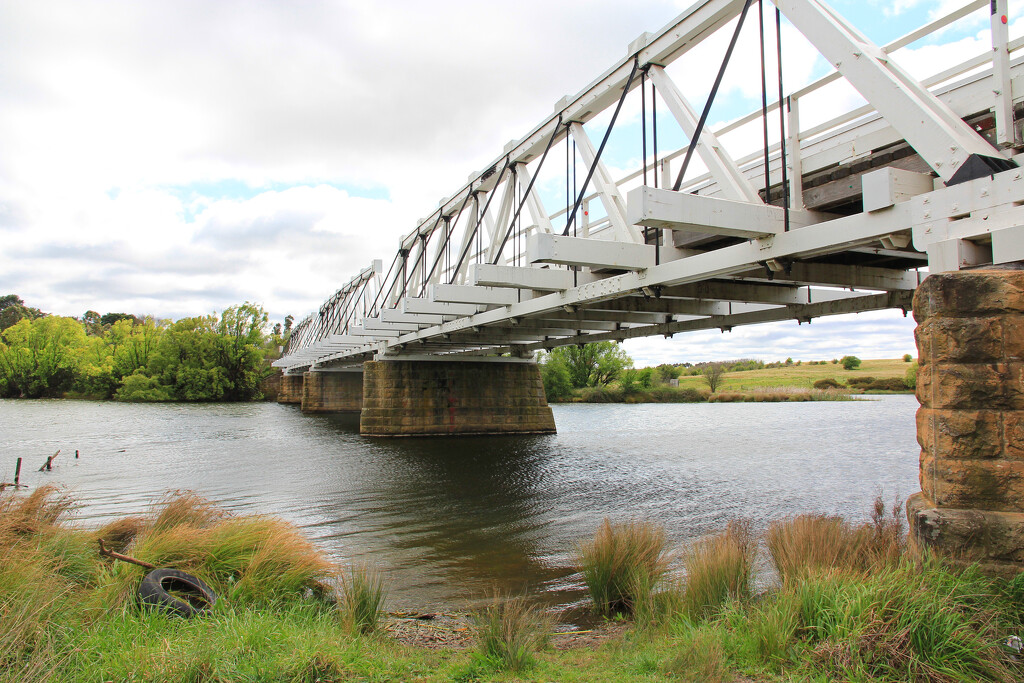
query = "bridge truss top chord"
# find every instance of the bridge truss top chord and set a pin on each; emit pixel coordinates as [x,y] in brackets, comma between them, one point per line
[833,218]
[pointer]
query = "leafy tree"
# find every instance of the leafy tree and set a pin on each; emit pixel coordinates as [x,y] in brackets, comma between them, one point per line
[910,378]
[111,318]
[288,320]
[241,339]
[714,375]
[907,358]
[554,374]
[276,331]
[665,372]
[592,365]
[13,310]
[138,388]
[850,362]
[40,358]
[93,322]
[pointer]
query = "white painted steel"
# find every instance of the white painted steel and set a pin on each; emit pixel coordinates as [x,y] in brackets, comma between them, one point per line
[725,258]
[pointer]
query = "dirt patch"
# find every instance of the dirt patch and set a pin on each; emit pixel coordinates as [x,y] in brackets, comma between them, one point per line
[454,630]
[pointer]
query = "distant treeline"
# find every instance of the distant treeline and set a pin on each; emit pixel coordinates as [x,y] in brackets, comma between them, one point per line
[131,358]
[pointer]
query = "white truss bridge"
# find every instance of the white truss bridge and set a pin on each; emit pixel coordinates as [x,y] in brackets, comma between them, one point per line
[921,177]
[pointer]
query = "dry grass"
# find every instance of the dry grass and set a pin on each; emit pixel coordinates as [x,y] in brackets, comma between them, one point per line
[809,543]
[718,569]
[44,509]
[622,563]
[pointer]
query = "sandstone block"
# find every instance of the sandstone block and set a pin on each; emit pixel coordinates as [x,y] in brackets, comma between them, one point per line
[995,539]
[960,434]
[960,340]
[969,294]
[996,484]
[971,386]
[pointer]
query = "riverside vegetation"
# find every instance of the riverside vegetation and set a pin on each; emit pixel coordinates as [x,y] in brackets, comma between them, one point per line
[849,603]
[128,358]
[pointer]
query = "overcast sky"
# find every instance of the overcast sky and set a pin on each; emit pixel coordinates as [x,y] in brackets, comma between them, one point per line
[176,157]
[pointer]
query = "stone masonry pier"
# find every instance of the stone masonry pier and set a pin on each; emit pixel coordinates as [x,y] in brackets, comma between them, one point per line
[970,426]
[441,397]
[291,389]
[332,392]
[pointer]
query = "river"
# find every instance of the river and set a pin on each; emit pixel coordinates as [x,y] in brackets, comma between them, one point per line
[449,519]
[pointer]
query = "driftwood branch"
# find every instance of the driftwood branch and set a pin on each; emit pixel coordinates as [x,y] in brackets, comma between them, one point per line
[124,558]
[48,465]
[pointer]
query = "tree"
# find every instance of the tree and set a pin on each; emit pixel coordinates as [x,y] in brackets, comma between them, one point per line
[907,358]
[850,362]
[554,374]
[591,365]
[111,318]
[714,375]
[288,320]
[13,310]
[41,357]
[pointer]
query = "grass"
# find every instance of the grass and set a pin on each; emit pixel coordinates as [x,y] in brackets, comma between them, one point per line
[800,376]
[621,564]
[363,591]
[509,631]
[856,609]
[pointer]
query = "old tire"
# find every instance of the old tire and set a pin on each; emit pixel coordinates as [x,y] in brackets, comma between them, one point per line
[176,592]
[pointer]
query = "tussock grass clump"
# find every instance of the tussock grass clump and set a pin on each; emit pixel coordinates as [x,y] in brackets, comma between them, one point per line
[718,570]
[42,510]
[185,508]
[622,564]
[899,623]
[700,656]
[817,542]
[509,631]
[363,592]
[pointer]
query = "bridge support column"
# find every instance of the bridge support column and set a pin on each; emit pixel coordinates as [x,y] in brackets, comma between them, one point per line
[441,397]
[332,391]
[291,389]
[970,340]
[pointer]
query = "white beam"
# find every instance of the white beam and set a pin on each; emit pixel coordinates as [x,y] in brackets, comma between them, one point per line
[581,251]
[421,305]
[658,208]
[544,279]
[466,294]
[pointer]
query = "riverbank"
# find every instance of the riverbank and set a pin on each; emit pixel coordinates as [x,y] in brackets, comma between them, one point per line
[285,613]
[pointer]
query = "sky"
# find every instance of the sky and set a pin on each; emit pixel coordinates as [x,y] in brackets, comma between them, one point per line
[174,158]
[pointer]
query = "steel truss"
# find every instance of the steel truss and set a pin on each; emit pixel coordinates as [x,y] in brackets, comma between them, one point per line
[488,272]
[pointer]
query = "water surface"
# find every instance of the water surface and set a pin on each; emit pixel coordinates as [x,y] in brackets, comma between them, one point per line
[450,518]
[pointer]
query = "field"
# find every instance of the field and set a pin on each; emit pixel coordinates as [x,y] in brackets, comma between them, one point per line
[802,375]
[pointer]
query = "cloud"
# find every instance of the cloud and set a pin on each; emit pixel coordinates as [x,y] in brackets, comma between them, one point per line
[122,123]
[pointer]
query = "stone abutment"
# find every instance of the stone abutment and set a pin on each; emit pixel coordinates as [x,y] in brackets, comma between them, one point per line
[970,426]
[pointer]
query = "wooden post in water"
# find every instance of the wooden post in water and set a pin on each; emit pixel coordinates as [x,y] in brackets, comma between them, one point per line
[49,462]
[17,474]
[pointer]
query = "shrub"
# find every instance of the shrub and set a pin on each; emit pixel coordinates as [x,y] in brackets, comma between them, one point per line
[509,630]
[859,382]
[907,358]
[834,361]
[138,388]
[621,561]
[827,383]
[888,384]
[850,362]
[910,379]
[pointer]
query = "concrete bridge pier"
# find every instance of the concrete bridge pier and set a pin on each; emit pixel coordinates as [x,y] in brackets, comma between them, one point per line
[332,391]
[291,389]
[970,340]
[438,396]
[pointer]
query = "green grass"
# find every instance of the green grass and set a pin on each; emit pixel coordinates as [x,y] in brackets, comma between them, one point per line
[622,564]
[870,615]
[802,376]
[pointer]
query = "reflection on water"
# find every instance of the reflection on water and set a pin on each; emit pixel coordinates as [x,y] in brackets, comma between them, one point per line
[450,518]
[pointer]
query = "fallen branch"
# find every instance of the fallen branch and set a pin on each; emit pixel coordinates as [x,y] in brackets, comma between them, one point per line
[124,558]
[49,462]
